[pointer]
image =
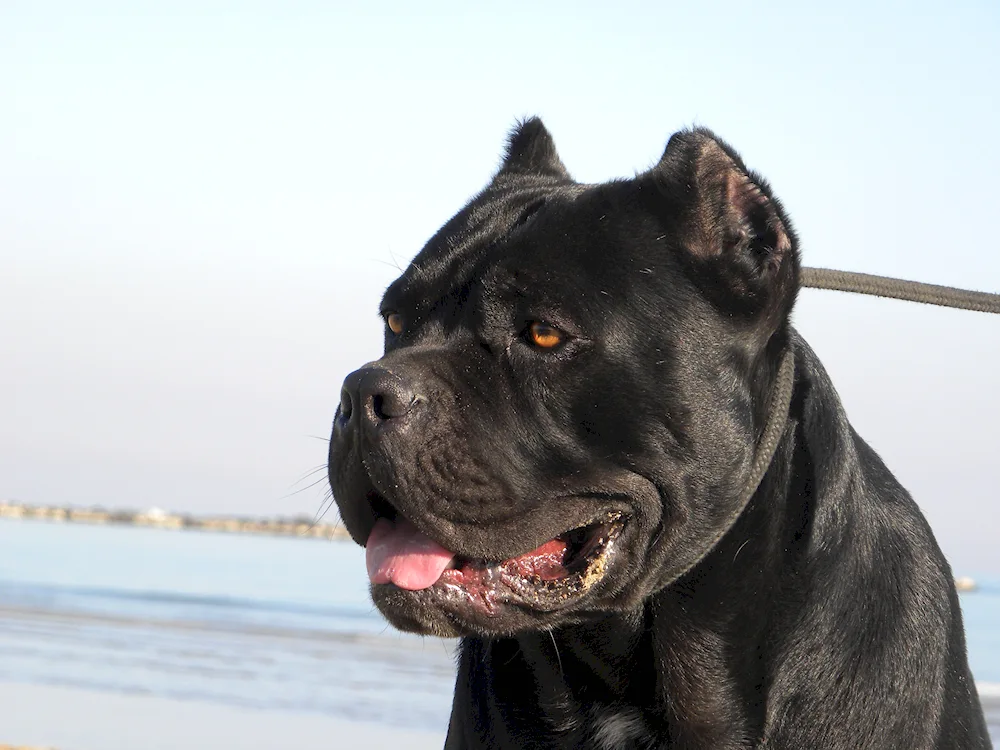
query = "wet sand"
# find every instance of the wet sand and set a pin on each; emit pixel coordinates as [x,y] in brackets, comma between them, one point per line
[77,719]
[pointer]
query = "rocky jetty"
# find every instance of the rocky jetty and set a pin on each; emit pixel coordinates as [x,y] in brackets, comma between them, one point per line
[157,518]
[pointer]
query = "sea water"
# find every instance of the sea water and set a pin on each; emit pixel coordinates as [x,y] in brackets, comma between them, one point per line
[269,623]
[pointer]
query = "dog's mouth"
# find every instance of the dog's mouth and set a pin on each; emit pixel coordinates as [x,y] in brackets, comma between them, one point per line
[545,578]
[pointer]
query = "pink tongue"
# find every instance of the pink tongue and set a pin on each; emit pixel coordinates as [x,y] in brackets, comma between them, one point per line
[399,553]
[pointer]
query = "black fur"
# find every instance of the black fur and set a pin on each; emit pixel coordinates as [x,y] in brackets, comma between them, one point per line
[826,617]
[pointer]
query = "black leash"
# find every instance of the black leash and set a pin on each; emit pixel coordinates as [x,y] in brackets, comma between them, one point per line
[781,395]
[912,291]
[774,429]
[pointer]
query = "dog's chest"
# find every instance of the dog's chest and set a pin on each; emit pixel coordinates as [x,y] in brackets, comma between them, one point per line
[615,728]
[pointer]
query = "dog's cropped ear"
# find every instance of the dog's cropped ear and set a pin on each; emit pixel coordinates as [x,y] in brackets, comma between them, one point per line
[731,220]
[531,150]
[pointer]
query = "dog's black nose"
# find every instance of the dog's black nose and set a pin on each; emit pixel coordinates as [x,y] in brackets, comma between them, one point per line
[375,397]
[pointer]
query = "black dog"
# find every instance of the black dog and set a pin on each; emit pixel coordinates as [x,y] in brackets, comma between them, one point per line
[597,451]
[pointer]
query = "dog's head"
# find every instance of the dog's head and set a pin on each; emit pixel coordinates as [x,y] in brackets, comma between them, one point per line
[574,380]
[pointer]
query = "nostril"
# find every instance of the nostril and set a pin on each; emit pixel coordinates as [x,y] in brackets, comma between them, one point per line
[346,405]
[391,405]
[378,406]
[380,398]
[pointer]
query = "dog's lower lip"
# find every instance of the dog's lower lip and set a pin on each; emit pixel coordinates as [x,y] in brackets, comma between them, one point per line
[546,563]
[568,564]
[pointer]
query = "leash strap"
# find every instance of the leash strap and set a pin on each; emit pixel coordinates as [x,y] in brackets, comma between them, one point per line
[774,428]
[912,291]
[781,399]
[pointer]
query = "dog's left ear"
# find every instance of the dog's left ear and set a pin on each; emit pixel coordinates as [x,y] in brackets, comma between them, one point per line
[734,228]
[531,150]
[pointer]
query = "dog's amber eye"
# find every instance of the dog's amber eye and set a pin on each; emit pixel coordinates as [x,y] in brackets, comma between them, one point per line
[545,336]
[395,322]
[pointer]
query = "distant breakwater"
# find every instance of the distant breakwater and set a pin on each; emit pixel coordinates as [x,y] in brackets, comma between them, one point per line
[299,526]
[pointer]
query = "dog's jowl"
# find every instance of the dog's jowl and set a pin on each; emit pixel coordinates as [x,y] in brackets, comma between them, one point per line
[597,451]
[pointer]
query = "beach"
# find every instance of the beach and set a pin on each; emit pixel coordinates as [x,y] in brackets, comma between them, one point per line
[77,719]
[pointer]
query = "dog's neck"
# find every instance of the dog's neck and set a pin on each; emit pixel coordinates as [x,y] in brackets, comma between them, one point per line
[607,651]
[684,668]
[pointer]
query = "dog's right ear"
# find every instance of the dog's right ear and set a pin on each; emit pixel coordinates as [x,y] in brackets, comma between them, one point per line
[531,150]
[732,227]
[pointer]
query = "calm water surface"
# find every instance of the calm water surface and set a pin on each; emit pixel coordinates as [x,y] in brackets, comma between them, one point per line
[263,622]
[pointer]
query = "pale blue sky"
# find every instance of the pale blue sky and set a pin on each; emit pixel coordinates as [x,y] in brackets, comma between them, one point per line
[200,203]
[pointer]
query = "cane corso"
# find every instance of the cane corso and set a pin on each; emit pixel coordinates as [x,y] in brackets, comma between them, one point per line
[597,451]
